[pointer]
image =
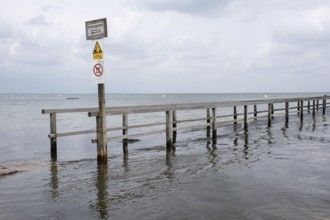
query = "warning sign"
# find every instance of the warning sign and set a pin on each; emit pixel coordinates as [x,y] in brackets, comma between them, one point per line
[98,72]
[97,52]
[96,29]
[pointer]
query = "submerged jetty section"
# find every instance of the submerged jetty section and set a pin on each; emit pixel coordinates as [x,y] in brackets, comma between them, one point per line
[217,114]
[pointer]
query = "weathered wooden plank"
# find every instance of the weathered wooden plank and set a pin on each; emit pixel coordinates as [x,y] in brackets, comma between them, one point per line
[269,114]
[68,110]
[191,120]
[191,127]
[286,114]
[53,140]
[263,111]
[64,134]
[226,116]
[189,106]
[246,118]
[168,129]
[174,126]
[324,104]
[121,137]
[208,122]
[255,114]
[235,115]
[301,110]
[214,124]
[125,133]
[308,106]
[101,134]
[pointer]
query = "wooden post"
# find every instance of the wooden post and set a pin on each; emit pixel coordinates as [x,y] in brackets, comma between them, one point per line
[125,132]
[298,107]
[168,130]
[102,153]
[308,106]
[269,114]
[174,125]
[286,114]
[324,104]
[255,112]
[246,118]
[235,115]
[317,105]
[272,110]
[313,107]
[208,121]
[301,110]
[53,139]
[214,124]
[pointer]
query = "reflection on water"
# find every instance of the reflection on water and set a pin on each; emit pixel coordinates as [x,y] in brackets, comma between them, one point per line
[169,163]
[213,152]
[246,145]
[101,184]
[54,180]
[270,136]
[125,162]
[284,132]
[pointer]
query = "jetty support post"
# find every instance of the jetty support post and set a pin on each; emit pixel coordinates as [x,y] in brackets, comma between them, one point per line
[308,106]
[272,110]
[168,130]
[53,139]
[298,107]
[255,112]
[235,115]
[125,133]
[208,121]
[246,118]
[313,107]
[102,153]
[317,105]
[269,114]
[174,132]
[286,114]
[301,110]
[324,104]
[214,125]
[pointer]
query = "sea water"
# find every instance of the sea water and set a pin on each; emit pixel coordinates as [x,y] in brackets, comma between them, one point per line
[266,173]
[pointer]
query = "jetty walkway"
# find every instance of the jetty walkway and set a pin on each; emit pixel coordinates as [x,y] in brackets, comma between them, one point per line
[217,114]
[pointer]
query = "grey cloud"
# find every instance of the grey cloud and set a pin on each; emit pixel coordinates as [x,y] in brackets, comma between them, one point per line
[6,30]
[199,7]
[49,7]
[39,20]
[301,35]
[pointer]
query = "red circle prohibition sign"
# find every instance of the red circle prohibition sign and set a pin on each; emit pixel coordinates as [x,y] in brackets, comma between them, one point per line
[98,70]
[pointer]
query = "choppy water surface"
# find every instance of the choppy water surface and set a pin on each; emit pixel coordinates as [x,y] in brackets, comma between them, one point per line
[266,173]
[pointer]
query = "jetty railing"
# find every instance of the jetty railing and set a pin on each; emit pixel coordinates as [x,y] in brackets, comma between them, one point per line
[250,109]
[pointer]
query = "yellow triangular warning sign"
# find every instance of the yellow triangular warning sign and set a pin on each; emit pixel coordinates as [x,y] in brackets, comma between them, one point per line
[97,48]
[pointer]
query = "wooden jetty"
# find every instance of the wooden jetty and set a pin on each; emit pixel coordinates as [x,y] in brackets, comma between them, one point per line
[249,110]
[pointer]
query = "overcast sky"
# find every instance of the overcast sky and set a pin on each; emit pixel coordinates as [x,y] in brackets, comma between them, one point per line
[167,46]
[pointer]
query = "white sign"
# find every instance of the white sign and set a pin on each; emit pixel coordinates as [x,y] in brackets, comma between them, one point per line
[96,29]
[98,72]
